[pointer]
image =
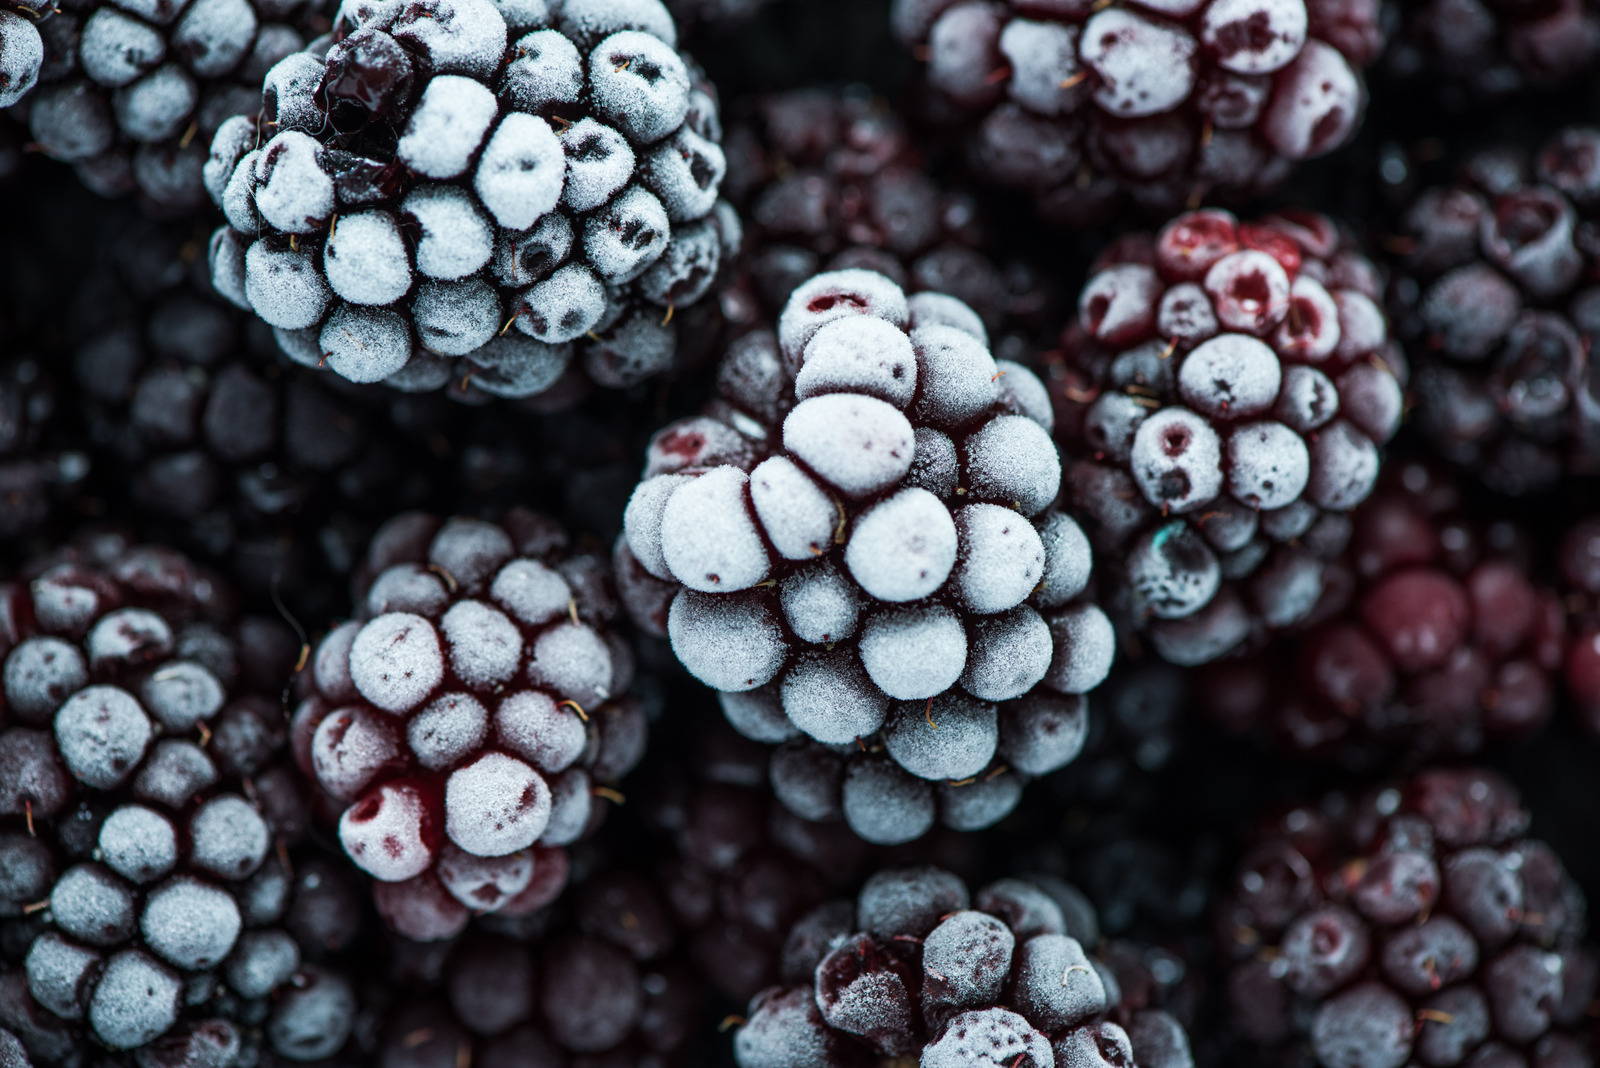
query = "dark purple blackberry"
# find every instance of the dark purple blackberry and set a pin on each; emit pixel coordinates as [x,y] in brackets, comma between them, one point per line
[856,546]
[1435,640]
[482,208]
[922,969]
[468,723]
[1232,386]
[1499,307]
[130,94]
[1417,925]
[829,179]
[1084,105]
[1492,47]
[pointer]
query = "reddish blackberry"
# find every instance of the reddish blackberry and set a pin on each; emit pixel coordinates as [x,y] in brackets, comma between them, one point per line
[141,797]
[1163,103]
[469,719]
[1233,385]
[1435,640]
[1418,925]
[1497,46]
[857,547]
[1499,306]
[828,179]
[130,94]
[925,970]
[477,206]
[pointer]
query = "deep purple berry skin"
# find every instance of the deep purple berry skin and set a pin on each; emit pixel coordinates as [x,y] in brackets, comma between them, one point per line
[1091,107]
[1417,924]
[1496,299]
[1491,49]
[1230,386]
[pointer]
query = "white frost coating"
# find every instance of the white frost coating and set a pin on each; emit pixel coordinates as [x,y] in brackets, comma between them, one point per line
[20,59]
[1069,561]
[1115,303]
[496,805]
[138,843]
[1056,986]
[228,837]
[859,444]
[564,307]
[455,239]
[708,537]
[570,659]
[593,18]
[181,694]
[215,35]
[797,515]
[1085,647]
[1315,103]
[914,653]
[902,548]
[1344,467]
[1232,375]
[383,833]
[157,106]
[113,48]
[599,163]
[294,193]
[820,604]
[728,642]
[1186,313]
[884,805]
[1249,37]
[859,355]
[102,734]
[126,634]
[395,661]
[953,738]
[284,287]
[447,730]
[757,716]
[1013,460]
[639,84]
[935,465]
[1002,558]
[990,1038]
[521,259]
[291,85]
[449,123]
[485,648]
[1249,291]
[532,592]
[831,700]
[1007,654]
[1268,465]
[522,171]
[1177,460]
[545,70]
[135,1002]
[238,198]
[941,309]
[957,378]
[408,587]
[685,172]
[39,674]
[549,736]
[365,260]
[1362,325]
[511,366]
[1043,57]
[571,805]
[625,237]
[1022,392]
[457,36]
[455,318]
[641,521]
[1142,67]
[484,884]
[1310,332]
[365,344]
[836,295]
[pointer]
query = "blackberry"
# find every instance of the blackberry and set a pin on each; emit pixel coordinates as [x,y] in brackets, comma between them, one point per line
[480,206]
[829,179]
[130,94]
[1232,384]
[1419,924]
[139,745]
[1435,641]
[857,546]
[1084,105]
[467,722]
[1499,306]
[919,967]
[1494,47]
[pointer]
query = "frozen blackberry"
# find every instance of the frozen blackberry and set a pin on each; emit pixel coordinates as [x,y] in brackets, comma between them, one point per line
[130,94]
[857,546]
[1418,925]
[923,969]
[1232,385]
[1499,307]
[1085,105]
[827,179]
[467,195]
[1493,47]
[1436,640]
[468,721]
[139,752]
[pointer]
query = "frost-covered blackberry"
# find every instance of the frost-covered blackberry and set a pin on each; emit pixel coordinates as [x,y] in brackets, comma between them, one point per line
[481,197]
[856,544]
[129,94]
[142,798]
[1231,385]
[921,969]
[469,718]
[1163,103]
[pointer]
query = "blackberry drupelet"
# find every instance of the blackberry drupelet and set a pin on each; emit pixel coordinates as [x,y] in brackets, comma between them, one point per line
[857,546]
[1232,384]
[1086,106]
[1493,47]
[464,195]
[468,721]
[1436,641]
[920,968]
[1417,925]
[1498,303]
[22,54]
